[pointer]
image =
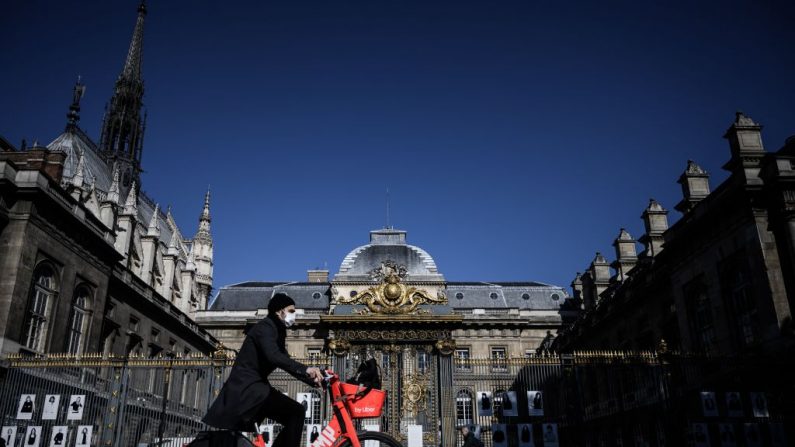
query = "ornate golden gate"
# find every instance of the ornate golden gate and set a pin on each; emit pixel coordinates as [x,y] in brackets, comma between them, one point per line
[408,331]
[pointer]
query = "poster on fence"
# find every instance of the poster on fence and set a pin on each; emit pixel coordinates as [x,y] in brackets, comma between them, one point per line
[727,436]
[32,436]
[525,432]
[708,404]
[535,404]
[305,399]
[312,433]
[700,435]
[499,435]
[9,435]
[752,436]
[83,435]
[734,405]
[778,437]
[371,427]
[550,435]
[759,403]
[59,435]
[49,411]
[484,403]
[509,404]
[27,403]
[267,434]
[74,411]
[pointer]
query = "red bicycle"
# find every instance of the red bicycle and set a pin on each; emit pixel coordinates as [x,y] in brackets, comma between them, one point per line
[351,402]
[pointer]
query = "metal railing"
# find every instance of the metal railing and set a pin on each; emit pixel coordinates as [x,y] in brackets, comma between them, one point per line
[588,398]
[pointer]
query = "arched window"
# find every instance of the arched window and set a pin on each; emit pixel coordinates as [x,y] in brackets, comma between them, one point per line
[463,408]
[39,306]
[78,321]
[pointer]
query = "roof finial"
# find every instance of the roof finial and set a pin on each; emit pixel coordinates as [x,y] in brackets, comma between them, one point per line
[206,210]
[113,191]
[387,209]
[79,176]
[73,117]
[131,204]
[154,228]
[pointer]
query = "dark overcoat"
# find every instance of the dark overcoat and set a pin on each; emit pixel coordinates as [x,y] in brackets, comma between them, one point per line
[245,391]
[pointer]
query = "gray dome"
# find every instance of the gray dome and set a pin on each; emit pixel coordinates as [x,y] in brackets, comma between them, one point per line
[388,245]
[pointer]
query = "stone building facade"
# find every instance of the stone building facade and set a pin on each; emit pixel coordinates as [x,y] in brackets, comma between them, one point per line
[719,280]
[88,262]
[506,319]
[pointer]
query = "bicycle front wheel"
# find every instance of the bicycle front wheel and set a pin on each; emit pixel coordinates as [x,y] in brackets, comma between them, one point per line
[374,439]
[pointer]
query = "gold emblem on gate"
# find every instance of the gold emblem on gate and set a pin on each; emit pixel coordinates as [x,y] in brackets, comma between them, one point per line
[391,296]
[415,392]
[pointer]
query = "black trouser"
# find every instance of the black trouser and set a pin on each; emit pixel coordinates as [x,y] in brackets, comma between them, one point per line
[287,412]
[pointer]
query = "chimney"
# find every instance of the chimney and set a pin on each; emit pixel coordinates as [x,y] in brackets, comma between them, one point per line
[695,186]
[745,142]
[626,255]
[320,276]
[655,219]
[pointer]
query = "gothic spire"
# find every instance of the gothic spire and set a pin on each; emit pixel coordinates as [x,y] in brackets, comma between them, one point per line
[73,117]
[132,65]
[121,141]
[206,211]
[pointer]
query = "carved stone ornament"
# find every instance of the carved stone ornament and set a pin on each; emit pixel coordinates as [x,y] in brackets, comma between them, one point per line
[377,335]
[415,393]
[446,346]
[391,296]
[339,346]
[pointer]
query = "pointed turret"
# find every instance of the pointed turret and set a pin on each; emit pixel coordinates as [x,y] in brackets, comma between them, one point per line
[202,250]
[79,177]
[121,140]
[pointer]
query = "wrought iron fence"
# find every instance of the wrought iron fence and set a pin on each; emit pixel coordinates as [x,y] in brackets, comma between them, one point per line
[589,398]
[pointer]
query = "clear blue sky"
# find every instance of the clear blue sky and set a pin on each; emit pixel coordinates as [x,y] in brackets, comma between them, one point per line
[515,137]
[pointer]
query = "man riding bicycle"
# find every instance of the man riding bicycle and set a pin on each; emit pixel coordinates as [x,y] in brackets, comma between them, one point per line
[247,397]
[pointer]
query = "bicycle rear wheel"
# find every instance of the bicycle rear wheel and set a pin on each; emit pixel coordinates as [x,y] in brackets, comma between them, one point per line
[374,439]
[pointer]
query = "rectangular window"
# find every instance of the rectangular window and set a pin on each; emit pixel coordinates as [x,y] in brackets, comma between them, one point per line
[313,354]
[133,323]
[423,361]
[155,336]
[463,408]
[498,359]
[735,283]
[699,307]
[462,359]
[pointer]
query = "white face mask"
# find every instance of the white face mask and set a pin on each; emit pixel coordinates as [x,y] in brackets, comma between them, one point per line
[289,319]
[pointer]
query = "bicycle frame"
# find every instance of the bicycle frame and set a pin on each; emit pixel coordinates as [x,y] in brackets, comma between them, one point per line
[341,427]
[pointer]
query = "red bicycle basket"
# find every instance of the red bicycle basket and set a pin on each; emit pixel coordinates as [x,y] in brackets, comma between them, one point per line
[368,406]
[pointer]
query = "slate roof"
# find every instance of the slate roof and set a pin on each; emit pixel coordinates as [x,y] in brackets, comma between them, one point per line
[75,143]
[255,295]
